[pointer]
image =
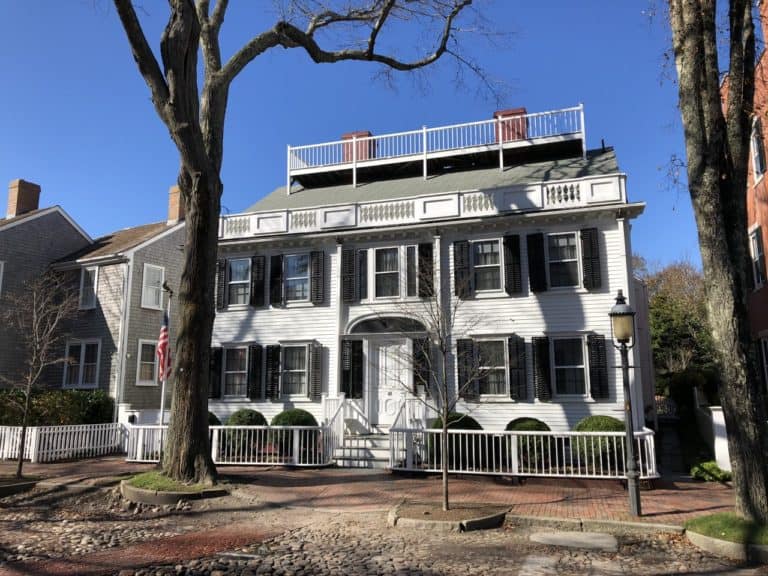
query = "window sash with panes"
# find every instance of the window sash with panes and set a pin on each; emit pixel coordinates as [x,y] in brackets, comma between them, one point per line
[294,371]
[486,262]
[569,367]
[239,281]
[492,367]
[296,277]
[88,283]
[563,260]
[152,287]
[387,272]
[82,367]
[147,370]
[758,150]
[758,256]
[235,372]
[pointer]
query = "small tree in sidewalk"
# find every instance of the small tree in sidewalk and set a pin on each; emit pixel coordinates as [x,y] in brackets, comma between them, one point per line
[36,315]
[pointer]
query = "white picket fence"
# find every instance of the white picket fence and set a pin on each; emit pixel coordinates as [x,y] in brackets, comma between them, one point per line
[56,443]
[512,453]
[247,445]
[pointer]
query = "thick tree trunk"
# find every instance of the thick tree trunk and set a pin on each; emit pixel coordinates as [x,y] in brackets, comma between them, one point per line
[187,453]
[23,438]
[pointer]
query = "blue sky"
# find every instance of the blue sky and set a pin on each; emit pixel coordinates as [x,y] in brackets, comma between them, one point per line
[77,118]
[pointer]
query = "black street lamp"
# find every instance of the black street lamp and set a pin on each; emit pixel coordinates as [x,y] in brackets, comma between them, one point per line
[623,332]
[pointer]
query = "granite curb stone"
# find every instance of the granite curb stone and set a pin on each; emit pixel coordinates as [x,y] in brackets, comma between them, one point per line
[157,498]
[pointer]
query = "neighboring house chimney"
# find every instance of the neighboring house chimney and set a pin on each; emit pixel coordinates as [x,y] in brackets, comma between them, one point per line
[175,205]
[23,197]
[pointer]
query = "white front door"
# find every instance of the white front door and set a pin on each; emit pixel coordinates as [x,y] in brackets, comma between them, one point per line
[390,379]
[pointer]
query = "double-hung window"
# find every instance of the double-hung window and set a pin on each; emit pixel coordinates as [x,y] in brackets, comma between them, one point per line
[81,369]
[294,371]
[297,277]
[89,279]
[146,370]
[152,287]
[387,272]
[569,367]
[492,367]
[235,371]
[758,150]
[758,256]
[487,265]
[563,260]
[239,281]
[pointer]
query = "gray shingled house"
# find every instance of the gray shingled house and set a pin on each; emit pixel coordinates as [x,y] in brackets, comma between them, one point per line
[31,238]
[112,342]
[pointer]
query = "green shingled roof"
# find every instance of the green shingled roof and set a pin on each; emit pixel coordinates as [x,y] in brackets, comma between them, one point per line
[597,163]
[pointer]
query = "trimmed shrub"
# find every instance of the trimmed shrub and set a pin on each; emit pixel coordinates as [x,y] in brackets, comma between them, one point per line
[710,472]
[527,425]
[247,417]
[294,417]
[213,420]
[57,407]
[598,450]
[283,439]
[461,454]
[532,453]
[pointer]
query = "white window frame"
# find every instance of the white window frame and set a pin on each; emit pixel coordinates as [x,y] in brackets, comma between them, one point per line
[224,372]
[67,367]
[584,366]
[308,276]
[549,261]
[2,271]
[92,305]
[375,273]
[758,258]
[152,382]
[757,150]
[307,351]
[145,289]
[480,368]
[247,282]
[475,266]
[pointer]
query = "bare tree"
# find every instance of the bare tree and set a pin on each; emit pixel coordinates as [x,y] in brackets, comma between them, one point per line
[717,147]
[328,32]
[36,315]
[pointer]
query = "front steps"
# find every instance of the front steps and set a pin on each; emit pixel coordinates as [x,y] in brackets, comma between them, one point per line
[364,451]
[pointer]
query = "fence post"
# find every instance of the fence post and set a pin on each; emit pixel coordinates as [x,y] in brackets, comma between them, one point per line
[515,463]
[215,445]
[295,433]
[409,450]
[34,444]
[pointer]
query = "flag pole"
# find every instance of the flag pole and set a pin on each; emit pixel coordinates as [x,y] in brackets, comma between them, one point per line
[164,381]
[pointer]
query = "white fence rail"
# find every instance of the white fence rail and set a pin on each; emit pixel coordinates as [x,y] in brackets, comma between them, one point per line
[555,454]
[246,445]
[55,443]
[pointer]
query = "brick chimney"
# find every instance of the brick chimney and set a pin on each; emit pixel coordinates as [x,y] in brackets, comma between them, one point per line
[175,205]
[23,197]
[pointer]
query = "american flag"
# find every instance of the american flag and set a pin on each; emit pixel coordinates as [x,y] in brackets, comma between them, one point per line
[163,351]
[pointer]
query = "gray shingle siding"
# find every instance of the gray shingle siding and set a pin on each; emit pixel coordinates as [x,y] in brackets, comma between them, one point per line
[27,249]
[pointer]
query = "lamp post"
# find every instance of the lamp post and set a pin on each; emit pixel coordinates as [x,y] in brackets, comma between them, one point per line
[623,332]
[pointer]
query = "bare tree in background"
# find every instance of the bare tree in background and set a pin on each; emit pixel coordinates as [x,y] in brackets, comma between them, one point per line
[328,32]
[36,315]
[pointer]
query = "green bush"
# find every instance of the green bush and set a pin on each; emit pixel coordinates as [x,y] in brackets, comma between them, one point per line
[213,420]
[294,417]
[532,453]
[527,425]
[600,424]
[283,440]
[247,417]
[457,421]
[599,451]
[57,407]
[462,455]
[710,472]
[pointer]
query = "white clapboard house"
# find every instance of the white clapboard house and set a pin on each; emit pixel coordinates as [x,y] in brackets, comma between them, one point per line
[525,231]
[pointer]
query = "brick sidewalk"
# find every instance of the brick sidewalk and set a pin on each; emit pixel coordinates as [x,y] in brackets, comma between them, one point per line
[672,502]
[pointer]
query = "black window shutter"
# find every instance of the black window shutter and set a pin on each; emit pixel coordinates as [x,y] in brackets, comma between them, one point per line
[276,280]
[590,258]
[537,264]
[542,384]
[598,367]
[315,372]
[317,277]
[348,292]
[214,390]
[362,274]
[255,363]
[421,364]
[426,270]
[273,372]
[258,263]
[461,269]
[352,368]
[518,377]
[513,280]
[465,360]
[221,284]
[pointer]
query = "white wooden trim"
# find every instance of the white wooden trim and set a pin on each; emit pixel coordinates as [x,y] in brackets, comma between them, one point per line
[44,212]
[80,304]
[285,277]
[155,238]
[226,349]
[152,382]
[82,343]
[579,272]
[144,303]
[584,358]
